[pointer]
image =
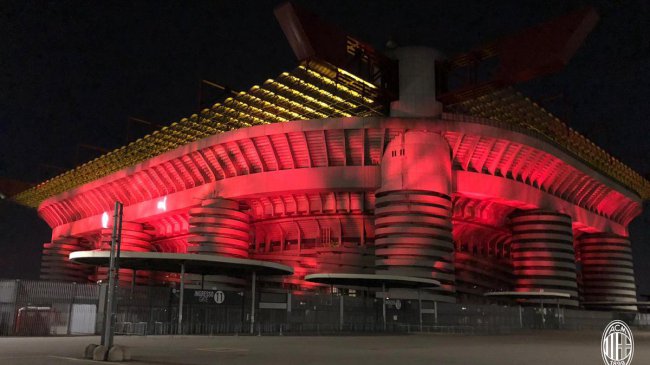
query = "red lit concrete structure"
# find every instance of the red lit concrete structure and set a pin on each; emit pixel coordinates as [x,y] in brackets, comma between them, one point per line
[485,193]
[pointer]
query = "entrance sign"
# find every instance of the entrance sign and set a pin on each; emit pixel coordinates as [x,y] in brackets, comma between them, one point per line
[213,297]
[219,297]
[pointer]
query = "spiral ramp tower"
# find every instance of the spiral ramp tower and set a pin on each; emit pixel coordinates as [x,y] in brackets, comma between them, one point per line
[55,264]
[134,238]
[607,271]
[543,255]
[413,211]
[218,227]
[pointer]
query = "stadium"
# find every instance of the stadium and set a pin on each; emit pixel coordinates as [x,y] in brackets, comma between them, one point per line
[363,162]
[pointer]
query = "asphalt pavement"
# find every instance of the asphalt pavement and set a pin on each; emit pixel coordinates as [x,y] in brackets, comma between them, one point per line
[547,347]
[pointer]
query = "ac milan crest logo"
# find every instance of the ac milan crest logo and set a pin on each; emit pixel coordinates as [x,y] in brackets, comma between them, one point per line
[617,344]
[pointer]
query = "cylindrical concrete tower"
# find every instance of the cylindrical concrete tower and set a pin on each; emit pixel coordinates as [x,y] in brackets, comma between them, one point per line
[607,270]
[219,228]
[413,210]
[417,83]
[542,253]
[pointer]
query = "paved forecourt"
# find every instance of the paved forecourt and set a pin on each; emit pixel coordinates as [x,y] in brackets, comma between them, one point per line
[533,348]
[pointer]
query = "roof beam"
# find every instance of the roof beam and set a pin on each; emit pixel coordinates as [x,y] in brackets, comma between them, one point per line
[211,169]
[507,166]
[211,155]
[486,154]
[249,166]
[263,166]
[497,158]
[229,162]
[470,152]
[327,156]
[293,159]
[304,139]
[275,153]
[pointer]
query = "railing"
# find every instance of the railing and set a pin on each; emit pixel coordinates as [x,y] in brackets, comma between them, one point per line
[464,330]
[129,328]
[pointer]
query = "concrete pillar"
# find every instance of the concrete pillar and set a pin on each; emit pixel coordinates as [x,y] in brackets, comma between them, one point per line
[413,210]
[607,269]
[542,253]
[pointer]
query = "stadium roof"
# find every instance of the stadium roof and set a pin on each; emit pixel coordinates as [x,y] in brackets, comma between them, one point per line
[314,91]
[322,86]
[311,91]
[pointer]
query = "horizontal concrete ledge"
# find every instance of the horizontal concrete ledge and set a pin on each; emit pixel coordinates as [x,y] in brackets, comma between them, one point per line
[529,294]
[194,263]
[373,280]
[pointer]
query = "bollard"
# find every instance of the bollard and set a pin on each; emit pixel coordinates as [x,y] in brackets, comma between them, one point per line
[99,353]
[115,354]
[88,353]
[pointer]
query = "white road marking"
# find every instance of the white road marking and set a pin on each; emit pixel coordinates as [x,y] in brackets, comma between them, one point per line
[222,349]
[19,357]
[76,359]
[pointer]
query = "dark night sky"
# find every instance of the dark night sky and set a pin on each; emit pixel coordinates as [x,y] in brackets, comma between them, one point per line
[71,72]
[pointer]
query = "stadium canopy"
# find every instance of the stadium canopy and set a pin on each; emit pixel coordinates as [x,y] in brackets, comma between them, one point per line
[184,263]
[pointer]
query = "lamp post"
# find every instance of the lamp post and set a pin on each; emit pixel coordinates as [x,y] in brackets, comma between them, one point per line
[113,268]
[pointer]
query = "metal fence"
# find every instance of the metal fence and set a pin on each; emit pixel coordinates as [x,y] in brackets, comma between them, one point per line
[44,308]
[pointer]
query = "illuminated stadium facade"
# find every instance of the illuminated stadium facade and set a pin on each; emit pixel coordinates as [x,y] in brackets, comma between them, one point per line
[357,162]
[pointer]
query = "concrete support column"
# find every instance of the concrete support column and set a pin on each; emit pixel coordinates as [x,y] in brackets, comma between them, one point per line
[219,228]
[607,270]
[413,210]
[542,253]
